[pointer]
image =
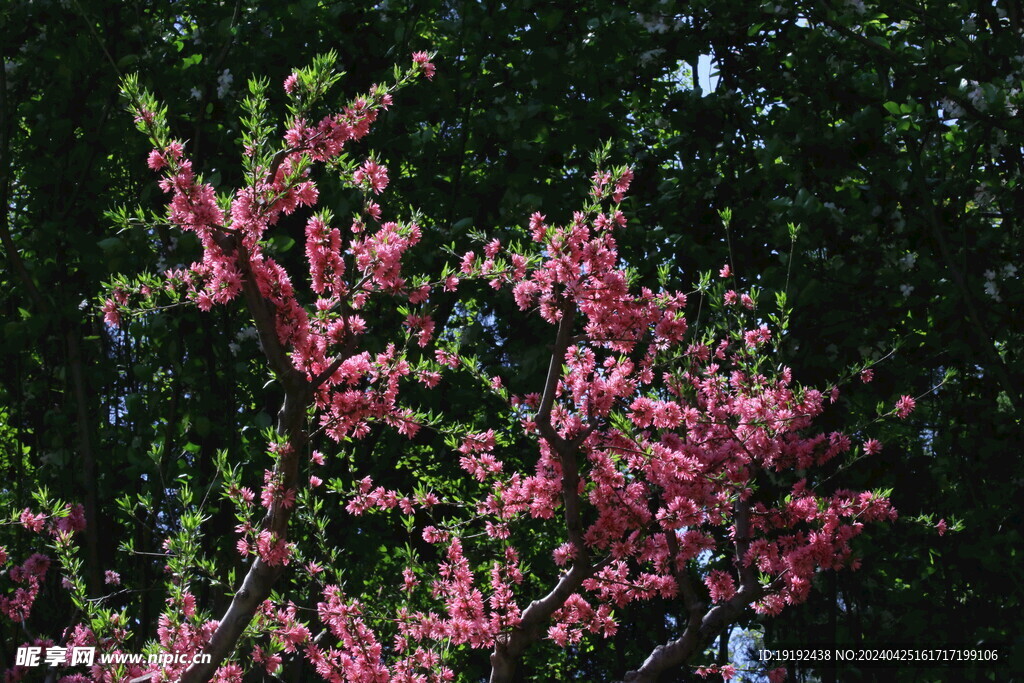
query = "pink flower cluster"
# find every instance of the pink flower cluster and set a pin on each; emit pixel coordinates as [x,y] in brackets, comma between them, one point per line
[71,521]
[233,253]
[577,616]
[368,497]
[29,575]
[660,492]
[726,671]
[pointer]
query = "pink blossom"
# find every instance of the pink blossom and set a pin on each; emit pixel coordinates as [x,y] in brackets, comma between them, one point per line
[229,673]
[755,338]
[429,379]
[290,82]
[111,315]
[73,522]
[721,585]
[420,295]
[31,521]
[537,227]
[423,60]
[156,160]
[905,406]
[559,634]
[188,604]
[704,431]
[872,446]
[112,578]
[622,185]
[373,175]
[867,375]
[447,358]
[272,663]
[422,326]
[563,554]
[941,526]
[273,550]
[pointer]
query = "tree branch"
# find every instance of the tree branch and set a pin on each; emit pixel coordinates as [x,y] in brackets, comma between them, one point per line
[291,426]
[547,401]
[676,652]
[509,647]
[700,631]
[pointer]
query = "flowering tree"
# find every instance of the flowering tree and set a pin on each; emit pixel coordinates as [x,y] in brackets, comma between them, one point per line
[665,461]
[664,454]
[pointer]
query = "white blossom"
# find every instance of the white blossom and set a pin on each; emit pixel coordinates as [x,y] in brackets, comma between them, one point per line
[224,82]
[246,333]
[951,109]
[647,57]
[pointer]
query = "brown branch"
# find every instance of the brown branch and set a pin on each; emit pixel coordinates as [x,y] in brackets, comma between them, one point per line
[547,401]
[742,543]
[275,164]
[328,371]
[694,605]
[260,579]
[509,647]
[291,426]
[566,450]
[678,651]
[700,631]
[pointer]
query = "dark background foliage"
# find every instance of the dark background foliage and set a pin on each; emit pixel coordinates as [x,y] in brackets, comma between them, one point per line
[889,131]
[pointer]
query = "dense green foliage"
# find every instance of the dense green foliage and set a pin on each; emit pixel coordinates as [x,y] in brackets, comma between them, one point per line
[889,132]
